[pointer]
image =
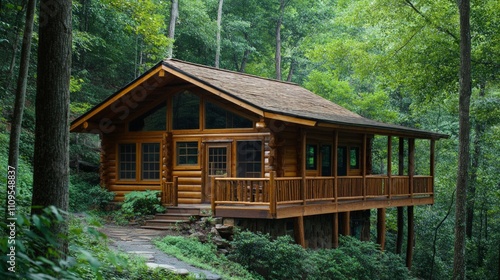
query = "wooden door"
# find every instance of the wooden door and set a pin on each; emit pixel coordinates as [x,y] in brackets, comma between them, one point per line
[218,164]
[342,161]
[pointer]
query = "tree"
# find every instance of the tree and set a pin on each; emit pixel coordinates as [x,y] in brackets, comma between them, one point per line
[219,20]
[464,139]
[22,80]
[51,159]
[174,14]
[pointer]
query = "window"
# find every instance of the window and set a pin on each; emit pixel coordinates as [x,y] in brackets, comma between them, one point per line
[354,157]
[186,111]
[249,159]
[326,160]
[311,161]
[150,161]
[187,153]
[127,156]
[153,120]
[217,117]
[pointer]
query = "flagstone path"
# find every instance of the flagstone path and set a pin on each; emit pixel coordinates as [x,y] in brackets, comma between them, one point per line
[135,240]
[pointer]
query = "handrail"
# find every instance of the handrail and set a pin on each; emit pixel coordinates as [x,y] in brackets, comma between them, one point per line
[275,191]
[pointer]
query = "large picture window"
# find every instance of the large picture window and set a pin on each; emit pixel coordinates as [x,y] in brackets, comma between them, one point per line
[187,153]
[186,111]
[219,118]
[249,159]
[127,157]
[153,120]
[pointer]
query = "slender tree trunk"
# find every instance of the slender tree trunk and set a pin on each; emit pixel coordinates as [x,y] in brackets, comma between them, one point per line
[464,139]
[219,21]
[476,156]
[22,79]
[277,56]
[292,69]
[174,14]
[10,75]
[51,158]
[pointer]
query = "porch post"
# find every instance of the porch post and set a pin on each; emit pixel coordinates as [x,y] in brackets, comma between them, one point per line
[401,169]
[411,163]
[432,165]
[364,165]
[299,231]
[335,170]
[411,235]
[335,241]
[389,166]
[381,228]
[346,223]
[303,164]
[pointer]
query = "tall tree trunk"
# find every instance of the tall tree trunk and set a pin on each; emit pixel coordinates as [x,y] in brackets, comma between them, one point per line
[51,159]
[219,21]
[476,156]
[15,44]
[17,119]
[464,139]
[174,14]
[277,56]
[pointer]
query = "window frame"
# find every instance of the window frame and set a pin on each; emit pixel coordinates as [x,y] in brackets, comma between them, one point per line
[315,157]
[138,162]
[176,154]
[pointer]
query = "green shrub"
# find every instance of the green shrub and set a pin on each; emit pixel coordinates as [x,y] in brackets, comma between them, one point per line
[138,204]
[273,259]
[85,193]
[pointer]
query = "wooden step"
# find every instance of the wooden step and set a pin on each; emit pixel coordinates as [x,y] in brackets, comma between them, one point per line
[183,210]
[174,216]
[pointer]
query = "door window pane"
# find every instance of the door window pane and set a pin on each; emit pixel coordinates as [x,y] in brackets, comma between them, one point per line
[311,157]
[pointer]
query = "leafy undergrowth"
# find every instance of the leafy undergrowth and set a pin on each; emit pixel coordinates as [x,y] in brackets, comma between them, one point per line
[258,256]
[89,256]
[203,255]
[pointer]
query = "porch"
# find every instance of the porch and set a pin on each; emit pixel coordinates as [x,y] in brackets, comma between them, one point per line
[287,197]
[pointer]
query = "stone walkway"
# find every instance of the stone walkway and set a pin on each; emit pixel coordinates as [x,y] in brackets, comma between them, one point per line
[135,240]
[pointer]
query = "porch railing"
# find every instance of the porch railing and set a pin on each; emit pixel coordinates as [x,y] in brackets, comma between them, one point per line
[273,192]
[169,192]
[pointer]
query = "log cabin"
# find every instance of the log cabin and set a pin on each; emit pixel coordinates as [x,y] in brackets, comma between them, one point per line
[265,154]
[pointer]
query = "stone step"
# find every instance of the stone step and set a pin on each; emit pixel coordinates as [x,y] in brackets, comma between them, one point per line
[174,216]
[183,210]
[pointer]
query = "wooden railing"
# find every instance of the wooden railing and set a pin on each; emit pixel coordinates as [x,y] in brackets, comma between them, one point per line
[273,192]
[169,192]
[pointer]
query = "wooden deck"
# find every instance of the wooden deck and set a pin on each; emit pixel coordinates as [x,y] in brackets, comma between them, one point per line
[287,197]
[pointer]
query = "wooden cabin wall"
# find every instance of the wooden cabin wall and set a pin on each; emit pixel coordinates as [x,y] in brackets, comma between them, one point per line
[288,156]
[190,181]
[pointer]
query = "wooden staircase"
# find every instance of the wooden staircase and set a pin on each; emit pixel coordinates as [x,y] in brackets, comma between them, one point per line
[172,217]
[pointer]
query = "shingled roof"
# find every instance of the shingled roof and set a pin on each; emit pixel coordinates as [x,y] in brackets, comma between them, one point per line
[272,96]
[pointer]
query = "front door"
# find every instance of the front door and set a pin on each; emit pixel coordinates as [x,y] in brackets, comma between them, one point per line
[218,164]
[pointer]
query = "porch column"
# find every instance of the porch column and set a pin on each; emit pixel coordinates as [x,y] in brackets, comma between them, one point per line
[411,236]
[400,224]
[364,166]
[303,164]
[411,163]
[389,166]
[381,228]
[298,229]
[346,223]
[335,169]
[335,238]
[432,167]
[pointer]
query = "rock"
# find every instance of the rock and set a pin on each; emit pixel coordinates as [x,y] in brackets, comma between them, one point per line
[200,236]
[225,231]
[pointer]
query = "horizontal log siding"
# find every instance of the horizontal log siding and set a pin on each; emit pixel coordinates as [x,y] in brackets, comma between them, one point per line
[189,185]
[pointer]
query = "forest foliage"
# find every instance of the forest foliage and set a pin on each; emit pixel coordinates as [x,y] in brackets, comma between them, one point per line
[391,60]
